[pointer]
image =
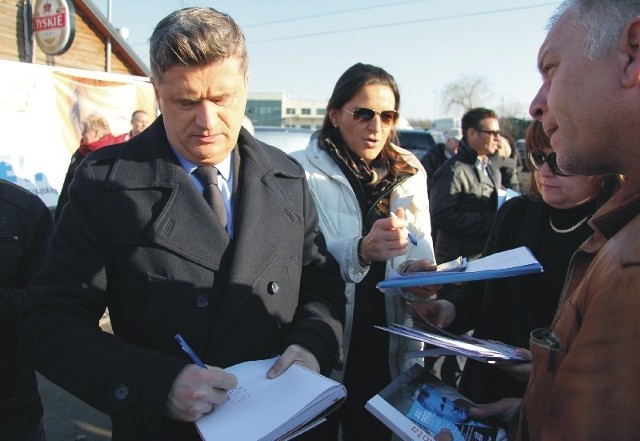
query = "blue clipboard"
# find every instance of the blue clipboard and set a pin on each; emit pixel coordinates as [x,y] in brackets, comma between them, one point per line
[515,262]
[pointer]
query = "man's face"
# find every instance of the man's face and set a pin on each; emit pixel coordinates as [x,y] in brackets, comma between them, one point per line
[442,406]
[485,137]
[577,101]
[139,122]
[202,108]
[452,145]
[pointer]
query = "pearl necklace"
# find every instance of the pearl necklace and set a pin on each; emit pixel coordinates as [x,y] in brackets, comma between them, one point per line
[570,229]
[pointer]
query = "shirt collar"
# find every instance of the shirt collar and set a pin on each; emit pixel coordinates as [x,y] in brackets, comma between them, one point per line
[482,161]
[224,167]
[616,213]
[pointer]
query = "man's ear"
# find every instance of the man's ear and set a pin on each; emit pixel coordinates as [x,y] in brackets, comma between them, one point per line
[154,83]
[630,48]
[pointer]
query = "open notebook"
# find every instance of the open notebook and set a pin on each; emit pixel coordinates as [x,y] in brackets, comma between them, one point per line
[271,409]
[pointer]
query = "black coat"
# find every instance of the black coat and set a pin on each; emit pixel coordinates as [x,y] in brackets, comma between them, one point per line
[508,309]
[25,227]
[137,237]
[463,205]
[432,161]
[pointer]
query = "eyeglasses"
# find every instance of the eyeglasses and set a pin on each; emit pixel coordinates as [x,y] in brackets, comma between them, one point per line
[490,132]
[538,159]
[362,114]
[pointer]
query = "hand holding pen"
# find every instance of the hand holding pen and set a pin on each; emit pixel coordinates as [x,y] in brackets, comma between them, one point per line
[197,388]
[186,348]
[383,241]
[411,237]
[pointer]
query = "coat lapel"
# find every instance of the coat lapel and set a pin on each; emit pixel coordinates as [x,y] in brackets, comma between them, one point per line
[263,226]
[184,224]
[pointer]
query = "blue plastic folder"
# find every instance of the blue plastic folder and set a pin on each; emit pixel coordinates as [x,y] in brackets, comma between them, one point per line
[514,262]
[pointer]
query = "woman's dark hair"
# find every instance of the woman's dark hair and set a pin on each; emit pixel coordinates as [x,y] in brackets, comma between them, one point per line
[537,139]
[352,81]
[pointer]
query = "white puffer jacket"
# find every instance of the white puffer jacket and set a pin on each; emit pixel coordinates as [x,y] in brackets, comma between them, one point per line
[341,223]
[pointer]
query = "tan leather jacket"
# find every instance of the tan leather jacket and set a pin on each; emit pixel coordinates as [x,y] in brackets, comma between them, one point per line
[584,385]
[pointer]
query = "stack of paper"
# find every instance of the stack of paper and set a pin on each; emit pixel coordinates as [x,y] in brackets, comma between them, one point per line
[515,262]
[486,351]
[271,409]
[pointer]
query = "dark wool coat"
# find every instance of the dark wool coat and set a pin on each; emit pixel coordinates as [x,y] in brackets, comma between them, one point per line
[25,227]
[137,237]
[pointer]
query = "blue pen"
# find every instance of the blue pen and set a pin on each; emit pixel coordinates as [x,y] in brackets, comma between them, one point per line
[412,238]
[192,355]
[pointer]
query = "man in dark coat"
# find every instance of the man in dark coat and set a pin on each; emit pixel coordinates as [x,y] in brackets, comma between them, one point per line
[25,227]
[464,193]
[137,236]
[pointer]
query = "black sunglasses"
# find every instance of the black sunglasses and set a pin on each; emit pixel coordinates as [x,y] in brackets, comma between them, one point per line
[362,114]
[538,159]
[490,132]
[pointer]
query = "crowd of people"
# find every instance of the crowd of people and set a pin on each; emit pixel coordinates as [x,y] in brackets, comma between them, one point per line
[192,226]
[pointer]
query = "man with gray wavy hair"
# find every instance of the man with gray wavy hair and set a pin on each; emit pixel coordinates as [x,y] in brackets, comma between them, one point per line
[583,383]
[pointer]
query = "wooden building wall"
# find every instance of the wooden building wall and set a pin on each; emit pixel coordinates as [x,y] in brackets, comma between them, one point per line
[86,52]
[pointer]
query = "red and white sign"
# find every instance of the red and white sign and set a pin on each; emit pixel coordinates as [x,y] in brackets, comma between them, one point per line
[54,25]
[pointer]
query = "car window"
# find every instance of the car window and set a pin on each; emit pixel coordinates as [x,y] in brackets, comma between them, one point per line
[417,142]
[286,139]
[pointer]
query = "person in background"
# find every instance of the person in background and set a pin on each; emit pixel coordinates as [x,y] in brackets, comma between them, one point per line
[584,379]
[191,227]
[552,222]
[464,201]
[439,153]
[464,191]
[370,195]
[508,167]
[139,121]
[96,134]
[515,153]
[25,228]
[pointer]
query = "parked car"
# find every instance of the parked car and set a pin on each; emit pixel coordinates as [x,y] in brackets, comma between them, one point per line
[286,139]
[417,141]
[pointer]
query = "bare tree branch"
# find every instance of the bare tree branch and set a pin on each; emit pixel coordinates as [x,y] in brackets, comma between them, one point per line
[466,93]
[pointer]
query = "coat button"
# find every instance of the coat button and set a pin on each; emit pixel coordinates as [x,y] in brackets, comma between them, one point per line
[121,392]
[202,301]
[273,288]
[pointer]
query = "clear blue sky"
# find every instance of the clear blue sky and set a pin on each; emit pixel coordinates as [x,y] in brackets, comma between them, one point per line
[300,47]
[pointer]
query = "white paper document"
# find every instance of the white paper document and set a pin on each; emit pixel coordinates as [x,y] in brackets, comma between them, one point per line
[514,262]
[447,343]
[270,409]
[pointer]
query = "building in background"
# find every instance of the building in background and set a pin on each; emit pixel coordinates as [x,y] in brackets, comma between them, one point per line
[279,110]
[74,63]
[97,45]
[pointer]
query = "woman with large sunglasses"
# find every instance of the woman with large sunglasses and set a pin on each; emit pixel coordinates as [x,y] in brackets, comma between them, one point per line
[372,201]
[552,220]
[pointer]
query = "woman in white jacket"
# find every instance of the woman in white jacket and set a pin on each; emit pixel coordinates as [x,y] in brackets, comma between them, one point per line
[370,194]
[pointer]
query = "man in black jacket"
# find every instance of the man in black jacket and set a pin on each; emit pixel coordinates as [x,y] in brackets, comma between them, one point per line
[463,196]
[242,273]
[25,227]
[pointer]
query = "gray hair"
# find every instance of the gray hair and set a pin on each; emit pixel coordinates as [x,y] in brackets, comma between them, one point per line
[195,37]
[604,21]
